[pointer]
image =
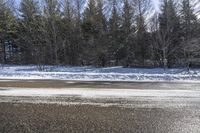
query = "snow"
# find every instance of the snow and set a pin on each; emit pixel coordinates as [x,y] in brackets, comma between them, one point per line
[128,98]
[89,73]
[99,93]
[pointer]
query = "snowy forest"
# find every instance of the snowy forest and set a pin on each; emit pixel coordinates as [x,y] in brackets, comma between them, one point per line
[129,33]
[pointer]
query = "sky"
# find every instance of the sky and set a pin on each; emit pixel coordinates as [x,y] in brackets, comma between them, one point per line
[156,4]
[195,2]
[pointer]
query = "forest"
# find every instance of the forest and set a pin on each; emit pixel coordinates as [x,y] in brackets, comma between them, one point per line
[101,33]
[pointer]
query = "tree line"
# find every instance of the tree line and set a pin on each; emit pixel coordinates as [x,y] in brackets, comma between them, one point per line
[102,32]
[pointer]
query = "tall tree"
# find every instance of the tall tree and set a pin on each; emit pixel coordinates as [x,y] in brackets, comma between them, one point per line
[116,48]
[78,31]
[90,31]
[189,26]
[142,43]
[169,33]
[53,18]
[102,44]
[128,31]
[31,32]
[7,28]
[70,29]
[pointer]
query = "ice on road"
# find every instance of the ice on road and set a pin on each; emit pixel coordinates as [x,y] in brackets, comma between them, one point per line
[130,98]
[126,94]
[90,92]
[159,107]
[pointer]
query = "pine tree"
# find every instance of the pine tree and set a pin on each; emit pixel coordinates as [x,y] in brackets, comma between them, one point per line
[142,46]
[101,32]
[66,31]
[128,31]
[89,20]
[31,33]
[71,35]
[127,16]
[116,48]
[102,44]
[189,26]
[78,31]
[101,18]
[90,32]
[7,28]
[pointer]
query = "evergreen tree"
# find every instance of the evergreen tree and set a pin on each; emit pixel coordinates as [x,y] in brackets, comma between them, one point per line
[142,46]
[102,44]
[7,28]
[128,31]
[90,32]
[70,35]
[89,20]
[66,28]
[116,48]
[30,32]
[100,32]
[78,31]
[189,26]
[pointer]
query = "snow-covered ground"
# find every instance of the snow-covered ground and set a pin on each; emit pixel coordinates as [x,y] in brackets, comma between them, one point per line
[98,74]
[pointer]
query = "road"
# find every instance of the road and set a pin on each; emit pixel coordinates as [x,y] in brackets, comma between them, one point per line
[78,106]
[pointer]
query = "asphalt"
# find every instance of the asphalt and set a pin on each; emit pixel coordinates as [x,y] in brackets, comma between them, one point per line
[98,84]
[83,106]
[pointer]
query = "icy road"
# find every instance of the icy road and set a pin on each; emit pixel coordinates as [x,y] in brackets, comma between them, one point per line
[108,106]
[126,94]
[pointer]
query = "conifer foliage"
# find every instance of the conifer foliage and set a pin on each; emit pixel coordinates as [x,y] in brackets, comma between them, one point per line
[100,32]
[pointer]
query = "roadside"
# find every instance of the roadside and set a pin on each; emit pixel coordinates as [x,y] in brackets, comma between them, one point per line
[99,74]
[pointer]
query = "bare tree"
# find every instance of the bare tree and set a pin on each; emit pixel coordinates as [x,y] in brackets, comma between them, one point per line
[168,33]
[52,17]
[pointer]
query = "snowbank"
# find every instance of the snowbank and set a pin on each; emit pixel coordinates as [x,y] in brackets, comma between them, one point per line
[98,74]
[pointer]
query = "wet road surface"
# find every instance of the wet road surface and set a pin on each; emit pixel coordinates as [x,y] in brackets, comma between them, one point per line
[40,106]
